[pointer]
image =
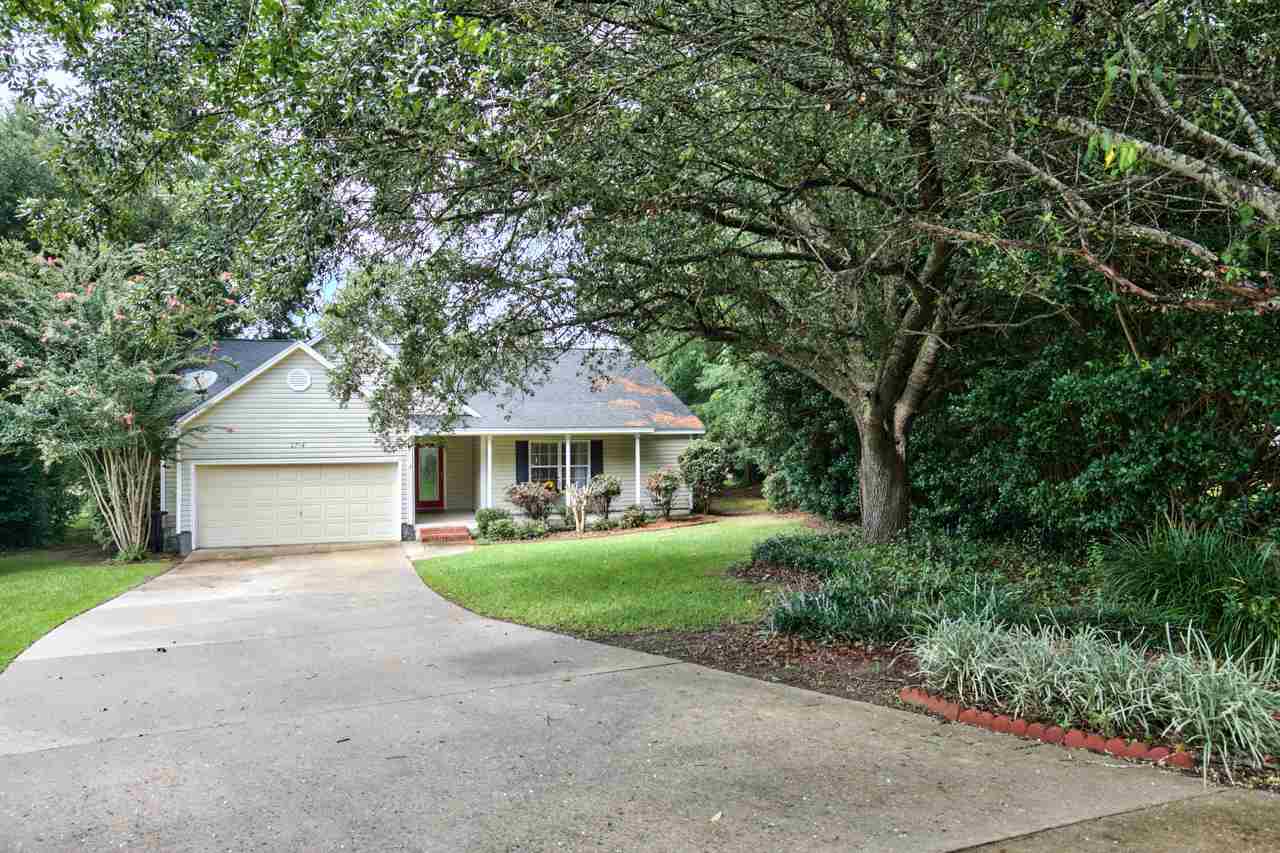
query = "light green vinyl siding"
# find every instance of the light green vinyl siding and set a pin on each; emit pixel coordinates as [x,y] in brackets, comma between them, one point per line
[265,421]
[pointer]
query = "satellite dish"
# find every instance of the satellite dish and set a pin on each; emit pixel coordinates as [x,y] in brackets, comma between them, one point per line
[199,380]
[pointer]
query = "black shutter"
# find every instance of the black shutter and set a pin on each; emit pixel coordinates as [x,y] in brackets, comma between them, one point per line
[522,461]
[597,457]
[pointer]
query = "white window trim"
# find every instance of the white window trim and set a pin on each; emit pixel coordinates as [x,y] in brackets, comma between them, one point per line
[397,506]
[555,455]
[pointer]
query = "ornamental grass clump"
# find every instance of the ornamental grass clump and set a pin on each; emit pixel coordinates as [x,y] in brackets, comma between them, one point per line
[1221,582]
[1223,707]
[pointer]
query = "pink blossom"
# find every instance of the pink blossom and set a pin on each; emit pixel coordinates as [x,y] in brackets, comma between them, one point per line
[44,339]
[127,417]
[229,301]
[19,364]
[69,322]
[214,348]
[229,428]
[88,289]
[119,315]
[172,301]
[64,295]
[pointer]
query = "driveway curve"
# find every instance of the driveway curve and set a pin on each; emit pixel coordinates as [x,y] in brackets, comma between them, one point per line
[333,702]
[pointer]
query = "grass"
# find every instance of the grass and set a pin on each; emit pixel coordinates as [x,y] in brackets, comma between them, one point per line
[668,579]
[740,500]
[41,589]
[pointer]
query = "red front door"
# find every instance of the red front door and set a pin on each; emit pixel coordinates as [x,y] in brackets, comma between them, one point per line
[428,469]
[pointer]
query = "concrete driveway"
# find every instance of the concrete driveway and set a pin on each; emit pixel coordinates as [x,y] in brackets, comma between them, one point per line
[332,702]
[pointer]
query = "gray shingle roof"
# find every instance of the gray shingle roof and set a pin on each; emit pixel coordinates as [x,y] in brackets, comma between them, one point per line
[246,356]
[632,398]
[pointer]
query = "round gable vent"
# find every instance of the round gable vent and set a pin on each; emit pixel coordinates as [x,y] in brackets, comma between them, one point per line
[299,379]
[199,380]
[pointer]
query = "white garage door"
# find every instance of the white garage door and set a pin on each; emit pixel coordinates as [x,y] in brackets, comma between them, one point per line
[293,504]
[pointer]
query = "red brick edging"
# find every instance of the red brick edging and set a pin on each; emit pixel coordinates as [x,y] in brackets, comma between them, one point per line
[1071,738]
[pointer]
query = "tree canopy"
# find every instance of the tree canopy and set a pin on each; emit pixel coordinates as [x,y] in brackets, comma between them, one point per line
[838,187]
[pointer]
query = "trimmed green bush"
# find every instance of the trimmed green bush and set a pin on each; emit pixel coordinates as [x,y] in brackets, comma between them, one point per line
[705,466]
[1222,706]
[508,530]
[486,516]
[502,530]
[601,525]
[532,530]
[632,517]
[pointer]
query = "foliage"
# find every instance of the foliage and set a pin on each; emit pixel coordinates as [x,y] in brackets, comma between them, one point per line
[1221,705]
[535,499]
[610,584]
[91,346]
[508,530]
[633,517]
[604,488]
[777,492]
[24,170]
[839,201]
[885,592]
[603,525]
[486,516]
[1224,584]
[36,503]
[704,467]
[662,486]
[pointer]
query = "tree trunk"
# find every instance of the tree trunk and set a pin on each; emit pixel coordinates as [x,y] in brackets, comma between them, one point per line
[882,479]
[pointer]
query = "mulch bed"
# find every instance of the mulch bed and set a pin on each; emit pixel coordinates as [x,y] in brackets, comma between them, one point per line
[867,673]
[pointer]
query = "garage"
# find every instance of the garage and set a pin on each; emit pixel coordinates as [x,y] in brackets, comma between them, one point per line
[244,505]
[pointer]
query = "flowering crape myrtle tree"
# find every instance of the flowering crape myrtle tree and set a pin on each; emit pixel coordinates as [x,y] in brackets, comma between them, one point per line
[835,186]
[91,347]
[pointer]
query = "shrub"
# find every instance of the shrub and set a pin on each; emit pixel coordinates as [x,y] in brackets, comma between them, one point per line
[884,593]
[632,517]
[1223,583]
[601,525]
[662,486]
[603,488]
[1224,707]
[535,499]
[503,530]
[704,465]
[532,530]
[486,516]
[777,492]
[806,551]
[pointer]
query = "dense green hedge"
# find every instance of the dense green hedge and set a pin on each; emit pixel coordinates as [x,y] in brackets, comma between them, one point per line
[1057,433]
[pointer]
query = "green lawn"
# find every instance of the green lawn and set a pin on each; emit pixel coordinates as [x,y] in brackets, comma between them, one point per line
[614,584]
[41,589]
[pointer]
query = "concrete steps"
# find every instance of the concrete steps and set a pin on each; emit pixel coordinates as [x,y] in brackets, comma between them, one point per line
[445,536]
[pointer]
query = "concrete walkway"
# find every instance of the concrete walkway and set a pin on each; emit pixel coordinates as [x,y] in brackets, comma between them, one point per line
[332,702]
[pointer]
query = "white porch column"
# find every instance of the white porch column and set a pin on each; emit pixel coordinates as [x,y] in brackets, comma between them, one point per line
[488,472]
[568,467]
[639,501]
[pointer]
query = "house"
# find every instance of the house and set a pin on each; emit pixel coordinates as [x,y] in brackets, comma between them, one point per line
[276,460]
